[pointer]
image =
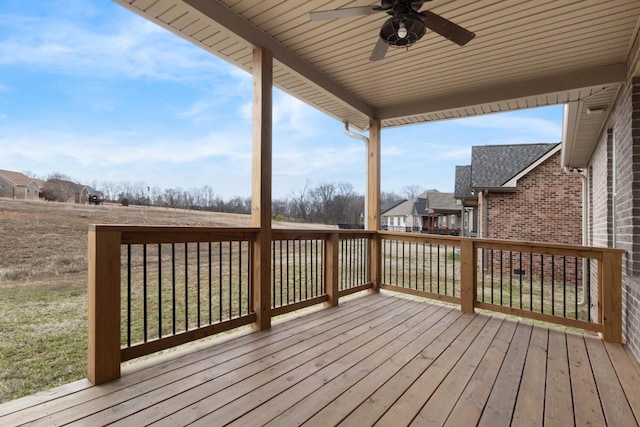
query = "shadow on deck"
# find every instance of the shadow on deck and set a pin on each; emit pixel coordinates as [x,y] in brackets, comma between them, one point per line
[376,359]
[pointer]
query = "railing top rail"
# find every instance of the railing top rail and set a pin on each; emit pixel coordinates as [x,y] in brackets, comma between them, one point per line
[593,252]
[282,234]
[141,234]
[428,238]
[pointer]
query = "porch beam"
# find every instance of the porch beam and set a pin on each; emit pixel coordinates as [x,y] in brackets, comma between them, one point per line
[373,202]
[261,185]
[592,77]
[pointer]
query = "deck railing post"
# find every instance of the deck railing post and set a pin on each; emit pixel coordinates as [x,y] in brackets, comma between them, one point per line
[468,275]
[375,261]
[610,286]
[331,268]
[104,306]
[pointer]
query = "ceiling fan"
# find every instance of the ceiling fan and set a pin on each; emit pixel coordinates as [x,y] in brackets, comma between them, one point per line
[406,26]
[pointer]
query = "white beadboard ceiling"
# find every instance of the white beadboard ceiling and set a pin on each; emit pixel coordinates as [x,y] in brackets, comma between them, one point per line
[526,54]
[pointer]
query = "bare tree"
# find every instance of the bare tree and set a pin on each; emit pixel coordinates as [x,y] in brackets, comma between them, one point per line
[59,188]
[412,191]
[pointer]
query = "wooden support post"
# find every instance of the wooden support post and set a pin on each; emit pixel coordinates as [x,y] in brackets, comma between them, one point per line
[103,356]
[331,268]
[373,207]
[261,185]
[610,278]
[468,275]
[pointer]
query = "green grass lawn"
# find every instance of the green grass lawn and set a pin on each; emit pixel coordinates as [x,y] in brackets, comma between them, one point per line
[43,335]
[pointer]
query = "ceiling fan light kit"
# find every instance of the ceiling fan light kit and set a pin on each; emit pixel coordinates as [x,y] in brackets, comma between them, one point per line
[403,30]
[406,26]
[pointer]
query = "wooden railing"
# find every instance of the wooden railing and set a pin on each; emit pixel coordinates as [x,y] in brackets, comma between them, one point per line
[574,286]
[152,288]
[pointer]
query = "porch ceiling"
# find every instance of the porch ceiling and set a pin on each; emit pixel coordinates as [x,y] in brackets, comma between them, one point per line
[525,54]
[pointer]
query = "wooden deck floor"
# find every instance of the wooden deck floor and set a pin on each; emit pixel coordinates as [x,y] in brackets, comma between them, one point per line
[376,360]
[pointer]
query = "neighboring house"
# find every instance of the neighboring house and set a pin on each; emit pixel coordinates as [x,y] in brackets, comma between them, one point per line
[87,195]
[19,186]
[521,193]
[468,201]
[430,212]
[444,217]
[61,190]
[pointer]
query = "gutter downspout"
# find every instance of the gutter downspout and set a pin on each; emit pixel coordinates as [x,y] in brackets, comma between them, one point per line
[366,169]
[585,226]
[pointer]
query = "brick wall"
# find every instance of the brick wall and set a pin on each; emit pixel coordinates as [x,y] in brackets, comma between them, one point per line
[546,207]
[600,205]
[626,134]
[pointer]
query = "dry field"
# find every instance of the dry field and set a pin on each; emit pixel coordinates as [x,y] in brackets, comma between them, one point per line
[43,280]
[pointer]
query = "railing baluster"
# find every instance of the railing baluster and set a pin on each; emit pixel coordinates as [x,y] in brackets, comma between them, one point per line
[144,293]
[520,275]
[220,282]
[129,295]
[531,281]
[198,280]
[542,283]
[502,276]
[159,290]
[510,278]
[239,278]
[553,284]
[186,286]
[210,286]
[173,287]
[230,244]
[564,286]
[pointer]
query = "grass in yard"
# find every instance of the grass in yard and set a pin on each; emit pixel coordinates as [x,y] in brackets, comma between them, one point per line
[43,284]
[43,335]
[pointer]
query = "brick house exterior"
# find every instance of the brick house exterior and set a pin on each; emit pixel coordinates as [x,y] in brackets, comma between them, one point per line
[546,206]
[614,196]
[19,186]
[531,199]
[522,193]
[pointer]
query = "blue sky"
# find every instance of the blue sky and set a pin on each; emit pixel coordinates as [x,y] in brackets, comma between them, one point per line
[93,91]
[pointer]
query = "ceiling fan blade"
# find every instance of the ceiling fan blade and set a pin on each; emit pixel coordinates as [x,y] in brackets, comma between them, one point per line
[343,13]
[379,51]
[446,28]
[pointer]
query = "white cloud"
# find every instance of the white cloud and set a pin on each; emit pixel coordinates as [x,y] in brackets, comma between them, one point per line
[536,127]
[130,47]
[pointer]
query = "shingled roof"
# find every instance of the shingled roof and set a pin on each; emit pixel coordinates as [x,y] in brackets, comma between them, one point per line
[438,201]
[494,165]
[463,188]
[16,178]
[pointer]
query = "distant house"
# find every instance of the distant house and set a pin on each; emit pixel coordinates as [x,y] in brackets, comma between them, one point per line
[520,192]
[66,191]
[87,195]
[19,186]
[430,212]
[468,201]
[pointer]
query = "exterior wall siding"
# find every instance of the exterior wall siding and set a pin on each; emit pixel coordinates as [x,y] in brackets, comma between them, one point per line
[627,206]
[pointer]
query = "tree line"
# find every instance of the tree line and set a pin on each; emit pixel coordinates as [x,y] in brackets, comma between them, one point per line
[324,203]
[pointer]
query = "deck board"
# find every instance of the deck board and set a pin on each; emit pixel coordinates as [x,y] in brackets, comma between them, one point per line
[378,359]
